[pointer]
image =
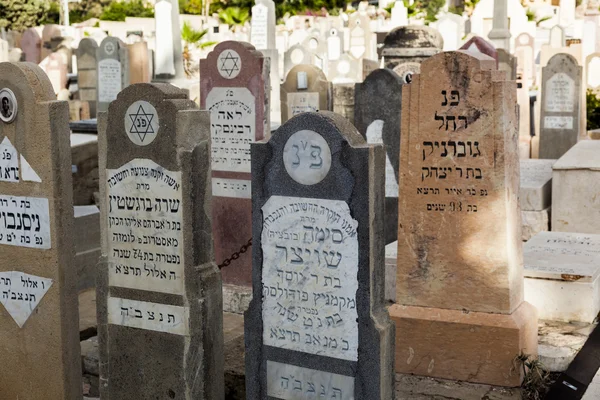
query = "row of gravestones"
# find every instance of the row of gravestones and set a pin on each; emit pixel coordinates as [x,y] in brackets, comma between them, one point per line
[317,322]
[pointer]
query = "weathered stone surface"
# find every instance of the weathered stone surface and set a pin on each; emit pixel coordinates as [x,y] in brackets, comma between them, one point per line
[112,71]
[559,342]
[234,88]
[377,117]
[406,47]
[534,222]
[464,346]
[38,312]
[302,195]
[87,77]
[535,191]
[236,299]
[343,100]
[560,106]
[575,181]
[159,291]
[306,89]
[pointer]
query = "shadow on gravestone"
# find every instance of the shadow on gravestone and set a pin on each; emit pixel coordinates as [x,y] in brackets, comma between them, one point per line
[377,116]
[234,87]
[317,238]
[159,292]
[38,296]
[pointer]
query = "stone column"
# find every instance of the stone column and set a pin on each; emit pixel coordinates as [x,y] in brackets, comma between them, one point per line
[500,34]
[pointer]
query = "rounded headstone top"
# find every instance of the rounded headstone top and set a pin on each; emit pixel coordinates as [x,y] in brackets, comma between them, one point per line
[414,36]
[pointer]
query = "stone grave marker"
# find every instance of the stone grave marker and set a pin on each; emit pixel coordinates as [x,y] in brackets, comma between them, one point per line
[452,29]
[31,44]
[335,44]
[262,32]
[318,48]
[406,47]
[345,70]
[343,100]
[139,63]
[361,37]
[377,111]
[507,62]
[159,291]
[56,69]
[458,281]
[168,59]
[317,324]
[592,71]
[524,47]
[560,102]
[296,55]
[399,15]
[535,195]
[112,70]
[478,44]
[368,66]
[87,76]
[49,33]
[234,87]
[305,89]
[38,295]
[557,36]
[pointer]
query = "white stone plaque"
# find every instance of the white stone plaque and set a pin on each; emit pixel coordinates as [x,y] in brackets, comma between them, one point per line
[141,123]
[593,73]
[375,135]
[558,122]
[151,316]
[109,79]
[310,276]
[560,93]
[307,157]
[238,188]
[289,382]
[301,102]
[232,128]
[229,64]
[145,227]
[259,26]
[20,293]
[9,162]
[358,42]
[25,222]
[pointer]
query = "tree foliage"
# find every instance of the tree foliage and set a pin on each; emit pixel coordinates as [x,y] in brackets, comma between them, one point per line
[593,110]
[118,11]
[86,9]
[19,15]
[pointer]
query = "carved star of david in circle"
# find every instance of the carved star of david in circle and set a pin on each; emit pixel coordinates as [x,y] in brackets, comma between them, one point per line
[141,123]
[229,64]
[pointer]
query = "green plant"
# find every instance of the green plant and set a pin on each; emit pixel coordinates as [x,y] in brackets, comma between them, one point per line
[593,110]
[194,7]
[118,11]
[539,21]
[192,37]
[234,16]
[19,15]
[53,16]
[536,380]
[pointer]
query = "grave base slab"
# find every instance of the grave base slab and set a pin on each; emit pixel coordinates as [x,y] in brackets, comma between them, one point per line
[563,300]
[473,347]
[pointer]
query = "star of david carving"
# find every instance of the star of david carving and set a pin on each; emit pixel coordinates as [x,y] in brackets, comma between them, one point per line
[142,123]
[229,64]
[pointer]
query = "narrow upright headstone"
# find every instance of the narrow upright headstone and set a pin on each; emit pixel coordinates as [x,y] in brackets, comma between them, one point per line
[305,89]
[557,36]
[262,28]
[159,292]
[560,102]
[234,87]
[112,71]
[524,50]
[87,77]
[317,325]
[377,112]
[168,59]
[452,29]
[38,280]
[139,63]
[459,283]
[55,67]
[31,44]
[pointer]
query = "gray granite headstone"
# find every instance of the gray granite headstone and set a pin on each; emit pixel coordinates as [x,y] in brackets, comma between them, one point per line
[160,320]
[560,107]
[112,69]
[87,77]
[377,116]
[317,326]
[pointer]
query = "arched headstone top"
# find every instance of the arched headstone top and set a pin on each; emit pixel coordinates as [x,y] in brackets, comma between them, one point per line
[232,59]
[312,70]
[457,63]
[414,36]
[31,85]
[477,44]
[562,59]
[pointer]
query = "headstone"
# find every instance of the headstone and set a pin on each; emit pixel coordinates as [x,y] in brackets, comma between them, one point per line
[234,88]
[369,66]
[592,71]
[345,70]
[557,36]
[87,76]
[49,33]
[567,13]
[296,55]
[168,62]
[575,189]
[159,291]
[524,48]
[318,49]
[262,31]
[560,102]
[112,70]
[399,14]
[316,190]
[406,47]
[335,44]
[305,89]
[590,34]
[508,63]
[535,195]
[500,33]
[378,105]
[485,14]
[31,44]
[361,43]
[562,271]
[38,296]
[452,29]
[56,69]
[478,44]
[139,63]
[458,281]
[343,100]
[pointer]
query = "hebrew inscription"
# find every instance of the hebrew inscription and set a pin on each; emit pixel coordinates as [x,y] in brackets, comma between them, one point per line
[310,276]
[237,188]
[307,157]
[145,232]
[109,79]
[301,102]
[558,122]
[25,222]
[9,162]
[150,316]
[232,128]
[289,382]
[560,93]
[21,293]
